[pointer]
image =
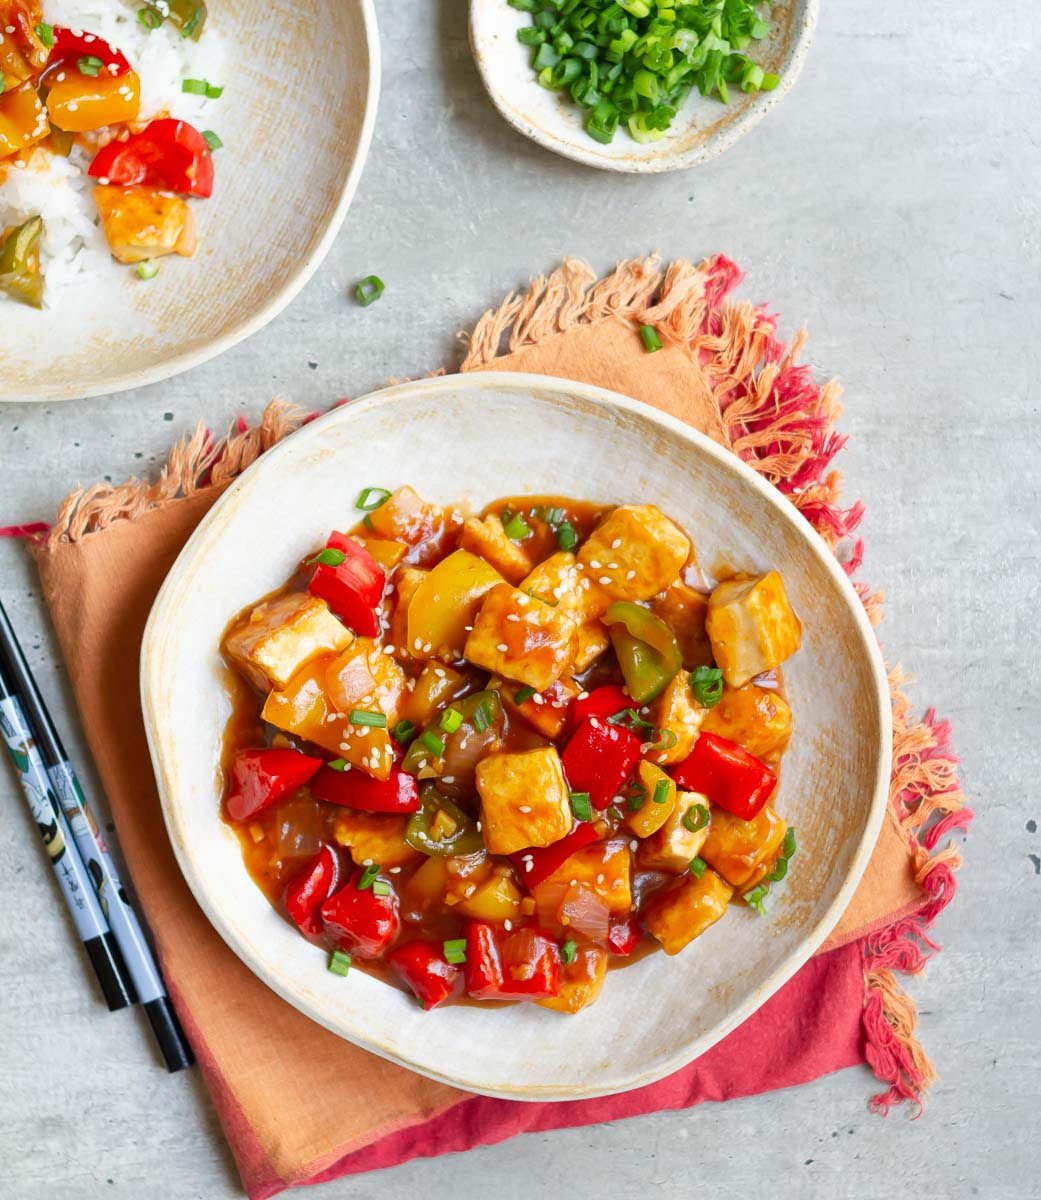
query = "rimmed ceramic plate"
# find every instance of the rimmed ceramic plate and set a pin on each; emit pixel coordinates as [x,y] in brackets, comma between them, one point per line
[300,93]
[483,436]
[702,129]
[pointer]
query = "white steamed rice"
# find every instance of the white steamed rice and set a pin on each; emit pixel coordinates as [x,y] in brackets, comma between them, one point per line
[74,249]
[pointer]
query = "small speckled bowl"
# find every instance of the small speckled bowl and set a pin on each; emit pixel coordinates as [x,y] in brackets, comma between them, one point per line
[479,437]
[702,129]
[296,120]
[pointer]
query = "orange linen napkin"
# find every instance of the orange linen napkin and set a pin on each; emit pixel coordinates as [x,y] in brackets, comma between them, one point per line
[295,1100]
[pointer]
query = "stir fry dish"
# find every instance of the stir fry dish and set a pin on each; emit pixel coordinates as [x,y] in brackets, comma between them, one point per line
[70,94]
[487,757]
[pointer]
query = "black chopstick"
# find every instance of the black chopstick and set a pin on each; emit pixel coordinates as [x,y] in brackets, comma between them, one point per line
[125,928]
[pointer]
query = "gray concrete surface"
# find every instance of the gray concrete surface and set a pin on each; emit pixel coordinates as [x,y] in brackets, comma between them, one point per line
[892,204]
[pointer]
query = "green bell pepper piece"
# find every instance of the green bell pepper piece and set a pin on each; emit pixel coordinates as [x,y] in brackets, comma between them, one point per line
[646,648]
[21,276]
[464,838]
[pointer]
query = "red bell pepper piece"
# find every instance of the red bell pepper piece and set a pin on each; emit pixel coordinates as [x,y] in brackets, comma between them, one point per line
[526,966]
[727,774]
[359,921]
[167,153]
[308,890]
[352,588]
[602,702]
[422,965]
[599,758]
[538,863]
[70,45]
[355,789]
[260,778]
[623,936]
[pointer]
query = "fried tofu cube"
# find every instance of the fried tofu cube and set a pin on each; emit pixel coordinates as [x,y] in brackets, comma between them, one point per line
[752,627]
[545,711]
[406,517]
[406,583]
[487,539]
[635,553]
[743,851]
[524,800]
[271,642]
[684,611]
[603,868]
[581,981]
[684,910]
[652,815]
[678,711]
[593,640]
[521,638]
[558,581]
[375,838]
[142,223]
[673,846]
[757,718]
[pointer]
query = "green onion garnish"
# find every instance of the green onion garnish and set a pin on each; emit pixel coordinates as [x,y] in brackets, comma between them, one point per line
[403,732]
[148,269]
[695,818]
[707,685]
[754,898]
[370,498]
[567,538]
[581,806]
[328,557]
[455,950]
[45,33]
[380,887]
[788,845]
[516,528]
[650,339]
[779,871]
[339,963]
[482,717]
[451,719]
[369,290]
[213,92]
[194,87]
[433,743]
[697,867]
[368,877]
[615,811]
[89,64]
[191,24]
[337,764]
[362,716]
[661,792]
[637,799]
[212,140]
[568,951]
[666,740]
[150,18]
[523,695]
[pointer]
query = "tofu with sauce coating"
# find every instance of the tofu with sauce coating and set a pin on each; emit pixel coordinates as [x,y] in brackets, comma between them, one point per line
[487,539]
[683,911]
[142,223]
[684,611]
[673,845]
[273,641]
[743,851]
[635,553]
[752,626]
[678,711]
[756,718]
[524,800]
[581,981]
[521,638]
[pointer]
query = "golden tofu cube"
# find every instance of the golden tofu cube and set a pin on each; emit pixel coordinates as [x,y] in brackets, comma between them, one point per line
[142,223]
[603,868]
[592,641]
[545,711]
[684,910]
[651,816]
[678,711]
[581,981]
[375,838]
[757,718]
[406,517]
[673,846]
[521,638]
[636,552]
[487,539]
[405,584]
[558,581]
[743,851]
[752,627]
[524,800]
[275,639]
[684,611]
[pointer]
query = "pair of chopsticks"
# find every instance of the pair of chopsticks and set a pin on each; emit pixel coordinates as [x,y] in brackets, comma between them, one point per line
[90,885]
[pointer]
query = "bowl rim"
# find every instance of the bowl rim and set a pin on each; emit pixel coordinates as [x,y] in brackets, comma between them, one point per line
[177,829]
[807,13]
[185,360]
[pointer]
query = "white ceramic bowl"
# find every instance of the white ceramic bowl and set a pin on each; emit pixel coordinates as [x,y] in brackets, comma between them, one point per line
[484,436]
[296,119]
[702,129]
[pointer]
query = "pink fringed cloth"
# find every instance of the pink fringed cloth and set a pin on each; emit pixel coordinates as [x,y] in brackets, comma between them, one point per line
[299,1105]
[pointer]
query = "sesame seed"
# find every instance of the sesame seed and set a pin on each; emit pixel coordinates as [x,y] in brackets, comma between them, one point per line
[72,106]
[594,564]
[605,580]
[600,877]
[366,862]
[439,672]
[630,574]
[418,643]
[468,628]
[388,649]
[525,808]
[583,695]
[634,844]
[502,647]
[507,924]
[537,699]
[612,566]
[394,870]
[512,617]
[616,543]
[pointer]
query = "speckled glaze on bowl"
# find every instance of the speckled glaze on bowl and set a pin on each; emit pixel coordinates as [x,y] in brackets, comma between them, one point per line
[296,119]
[482,436]
[702,129]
